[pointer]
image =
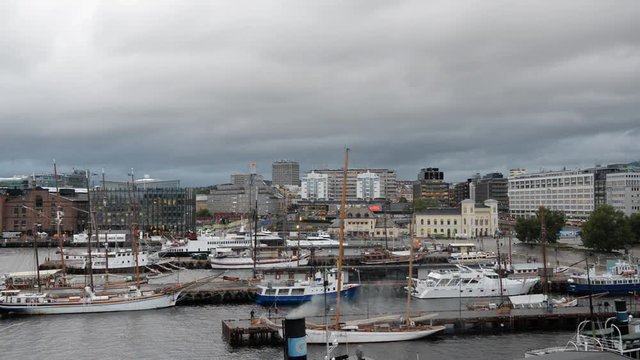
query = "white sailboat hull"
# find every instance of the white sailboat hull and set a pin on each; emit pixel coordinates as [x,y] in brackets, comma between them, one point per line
[157,301]
[356,337]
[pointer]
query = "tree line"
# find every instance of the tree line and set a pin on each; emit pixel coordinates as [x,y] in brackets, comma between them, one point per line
[606,229]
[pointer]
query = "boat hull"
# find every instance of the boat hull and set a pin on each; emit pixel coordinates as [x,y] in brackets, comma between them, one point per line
[349,293]
[617,289]
[150,302]
[509,288]
[360,337]
[247,263]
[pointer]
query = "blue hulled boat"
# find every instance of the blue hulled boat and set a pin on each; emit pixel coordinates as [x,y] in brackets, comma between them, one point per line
[621,278]
[303,291]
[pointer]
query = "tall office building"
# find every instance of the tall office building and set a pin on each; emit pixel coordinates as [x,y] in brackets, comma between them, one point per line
[623,192]
[431,186]
[569,191]
[285,172]
[493,186]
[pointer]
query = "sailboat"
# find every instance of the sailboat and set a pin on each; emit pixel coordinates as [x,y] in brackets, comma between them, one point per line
[381,329]
[89,301]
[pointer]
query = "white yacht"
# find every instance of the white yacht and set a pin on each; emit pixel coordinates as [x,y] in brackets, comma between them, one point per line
[119,259]
[207,243]
[319,239]
[466,282]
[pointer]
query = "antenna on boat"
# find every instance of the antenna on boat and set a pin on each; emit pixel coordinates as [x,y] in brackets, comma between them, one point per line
[343,205]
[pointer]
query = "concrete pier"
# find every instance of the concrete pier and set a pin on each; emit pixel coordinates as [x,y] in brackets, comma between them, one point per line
[249,333]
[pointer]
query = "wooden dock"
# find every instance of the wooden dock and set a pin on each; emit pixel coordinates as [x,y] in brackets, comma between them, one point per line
[244,333]
[220,292]
[249,333]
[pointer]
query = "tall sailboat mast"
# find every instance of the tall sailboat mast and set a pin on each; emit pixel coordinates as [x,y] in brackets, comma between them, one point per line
[91,222]
[543,235]
[58,221]
[343,211]
[134,237]
[410,278]
[106,240]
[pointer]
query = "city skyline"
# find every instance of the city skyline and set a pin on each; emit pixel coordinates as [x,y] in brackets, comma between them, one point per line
[266,175]
[197,91]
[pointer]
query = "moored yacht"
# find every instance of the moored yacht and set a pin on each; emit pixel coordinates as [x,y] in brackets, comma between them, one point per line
[118,260]
[467,282]
[621,278]
[306,290]
[320,239]
[224,259]
[35,303]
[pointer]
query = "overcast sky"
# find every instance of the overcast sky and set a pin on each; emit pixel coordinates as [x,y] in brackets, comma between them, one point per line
[198,90]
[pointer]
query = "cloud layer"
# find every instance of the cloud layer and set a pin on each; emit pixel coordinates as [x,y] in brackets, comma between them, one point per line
[198,90]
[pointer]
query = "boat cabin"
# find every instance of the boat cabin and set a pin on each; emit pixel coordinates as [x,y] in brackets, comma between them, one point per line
[527,269]
[461,248]
[27,279]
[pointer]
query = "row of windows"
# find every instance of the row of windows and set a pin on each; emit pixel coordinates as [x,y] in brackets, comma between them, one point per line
[455,222]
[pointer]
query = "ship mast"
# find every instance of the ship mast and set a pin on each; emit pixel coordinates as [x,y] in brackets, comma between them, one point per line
[543,235]
[343,206]
[410,277]
[134,224]
[91,222]
[58,221]
[106,240]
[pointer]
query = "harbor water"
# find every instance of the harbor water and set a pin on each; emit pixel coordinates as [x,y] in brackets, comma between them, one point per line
[195,332]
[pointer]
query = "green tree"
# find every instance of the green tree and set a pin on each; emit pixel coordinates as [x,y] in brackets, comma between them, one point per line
[607,229]
[634,222]
[554,221]
[528,230]
[203,213]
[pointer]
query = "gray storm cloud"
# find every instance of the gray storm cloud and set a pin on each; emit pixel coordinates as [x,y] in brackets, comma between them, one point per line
[197,90]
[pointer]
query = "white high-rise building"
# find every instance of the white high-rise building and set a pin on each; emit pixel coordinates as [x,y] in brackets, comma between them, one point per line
[368,186]
[315,186]
[569,191]
[623,192]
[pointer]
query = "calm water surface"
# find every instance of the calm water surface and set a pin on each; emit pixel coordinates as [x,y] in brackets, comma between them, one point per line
[194,332]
